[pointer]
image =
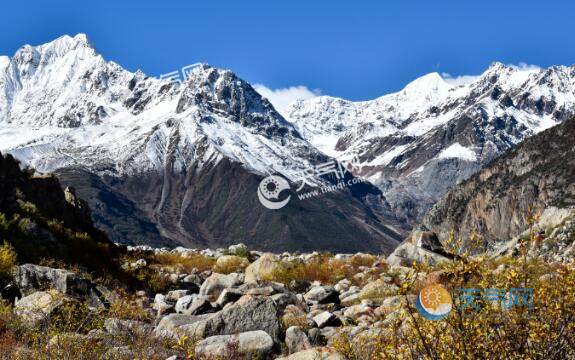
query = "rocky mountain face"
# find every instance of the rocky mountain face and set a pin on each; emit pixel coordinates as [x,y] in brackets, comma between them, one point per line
[166,163]
[42,221]
[495,203]
[417,143]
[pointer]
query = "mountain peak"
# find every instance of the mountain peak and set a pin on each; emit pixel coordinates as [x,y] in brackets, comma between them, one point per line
[62,45]
[432,82]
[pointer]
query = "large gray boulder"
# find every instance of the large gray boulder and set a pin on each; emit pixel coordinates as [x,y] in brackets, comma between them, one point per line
[174,326]
[249,313]
[248,345]
[37,308]
[31,278]
[263,268]
[296,340]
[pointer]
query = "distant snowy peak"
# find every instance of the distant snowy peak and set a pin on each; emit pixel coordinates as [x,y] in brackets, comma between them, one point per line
[418,142]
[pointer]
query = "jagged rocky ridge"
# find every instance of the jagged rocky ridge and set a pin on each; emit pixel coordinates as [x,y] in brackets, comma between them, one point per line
[163,163]
[495,203]
[417,143]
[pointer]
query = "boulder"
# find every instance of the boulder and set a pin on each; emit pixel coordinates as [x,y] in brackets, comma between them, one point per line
[321,353]
[199,306]
[174,326]
[247,345]
[30,278]
[216,283]
[174,295]
[228,296]
[249,313]
[296,340]
[36,308]
[356,311]
[326,318]
[184,303]
[263,268]
[322,295]
[161,305]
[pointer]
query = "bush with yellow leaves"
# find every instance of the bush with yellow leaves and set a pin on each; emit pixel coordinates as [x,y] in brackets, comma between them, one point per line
[487,329]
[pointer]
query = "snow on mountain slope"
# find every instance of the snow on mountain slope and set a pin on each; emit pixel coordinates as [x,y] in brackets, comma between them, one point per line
[163,162]
[417,143]
[323,120]
[65,105]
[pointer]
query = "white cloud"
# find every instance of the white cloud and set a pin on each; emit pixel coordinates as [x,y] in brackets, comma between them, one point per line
[525,67]
[459,80]
[281,98]
[468,79]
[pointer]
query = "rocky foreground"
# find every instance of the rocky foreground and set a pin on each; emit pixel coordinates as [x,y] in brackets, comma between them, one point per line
[240,304]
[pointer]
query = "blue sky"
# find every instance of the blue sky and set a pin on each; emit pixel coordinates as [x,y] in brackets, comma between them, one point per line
[357,50]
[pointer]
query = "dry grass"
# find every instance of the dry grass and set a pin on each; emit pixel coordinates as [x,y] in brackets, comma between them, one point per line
[327,269]
[186,264]
[231,265]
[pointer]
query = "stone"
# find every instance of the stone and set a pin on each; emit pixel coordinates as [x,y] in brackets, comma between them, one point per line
[36,308]
[174,295]
[216,283]
[356,311]
[284,299]
[228,296]
[247,345]
[173,326]
[296,340]
[322,295]
[321,353]
[192,279]
[30,278]
[326,318]
[184,303]
[249,313]
[199,306]
[263,268]
[161,305]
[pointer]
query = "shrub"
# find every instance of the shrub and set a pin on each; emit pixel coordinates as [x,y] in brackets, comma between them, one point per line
[187,263]
[7,261]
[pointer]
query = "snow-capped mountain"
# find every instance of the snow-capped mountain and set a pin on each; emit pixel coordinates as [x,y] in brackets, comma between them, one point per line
[64,105]
[417,143]
[166,162]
